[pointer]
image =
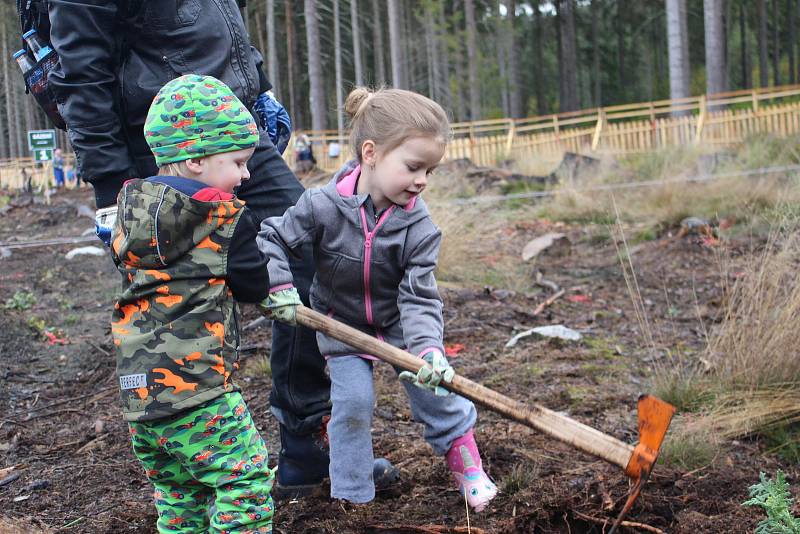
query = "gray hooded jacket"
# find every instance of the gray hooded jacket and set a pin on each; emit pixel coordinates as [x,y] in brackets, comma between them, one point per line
[376,276]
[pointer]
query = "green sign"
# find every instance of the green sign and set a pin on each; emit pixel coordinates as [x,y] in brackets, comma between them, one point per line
[42,154]
[38,139]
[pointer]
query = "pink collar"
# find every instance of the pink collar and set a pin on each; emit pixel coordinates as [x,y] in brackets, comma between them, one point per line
[346,187]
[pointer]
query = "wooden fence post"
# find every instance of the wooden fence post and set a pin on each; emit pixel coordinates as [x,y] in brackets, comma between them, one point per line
[598,129]
[701,119]
[512,127]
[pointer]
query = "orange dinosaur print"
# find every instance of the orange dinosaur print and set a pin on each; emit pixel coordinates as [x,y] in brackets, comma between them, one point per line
[169,300]
[207,243]
[141,306]
[164,290]
[223,212]
[171,380]
[141,392]
[194,356]
[132,259]
[185,144]
[216,281]
[218,330]
[116,245]
[220,367]
[158,275]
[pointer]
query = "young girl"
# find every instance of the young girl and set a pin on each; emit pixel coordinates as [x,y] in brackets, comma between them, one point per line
[376,248]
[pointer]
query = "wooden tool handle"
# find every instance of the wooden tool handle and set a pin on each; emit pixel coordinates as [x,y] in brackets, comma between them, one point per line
[537,417]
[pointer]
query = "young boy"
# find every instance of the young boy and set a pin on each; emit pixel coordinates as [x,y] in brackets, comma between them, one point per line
[186,248]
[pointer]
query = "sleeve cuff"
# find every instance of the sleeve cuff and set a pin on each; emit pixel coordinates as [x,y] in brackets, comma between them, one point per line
[426,350]
[281,287]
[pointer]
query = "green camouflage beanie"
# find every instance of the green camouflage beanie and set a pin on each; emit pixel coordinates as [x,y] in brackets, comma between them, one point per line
[195,116]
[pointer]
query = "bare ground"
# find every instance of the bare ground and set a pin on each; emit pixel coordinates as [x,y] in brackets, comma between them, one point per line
[61,427]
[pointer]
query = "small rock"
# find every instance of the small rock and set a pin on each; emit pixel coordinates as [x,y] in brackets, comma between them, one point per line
[37,485]
[502,294]
[22,498]
[384,413]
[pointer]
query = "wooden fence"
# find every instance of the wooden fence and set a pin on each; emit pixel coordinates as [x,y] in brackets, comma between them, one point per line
[716,120]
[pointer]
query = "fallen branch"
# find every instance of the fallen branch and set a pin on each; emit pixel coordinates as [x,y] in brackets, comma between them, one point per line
[73,399]
[91,444]
[9,479]
[629,524]
[7,470]
[50,414]
[98,348]
[540,308]
[424,529]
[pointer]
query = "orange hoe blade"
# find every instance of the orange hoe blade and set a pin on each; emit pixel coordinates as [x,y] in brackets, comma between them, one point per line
[637,461]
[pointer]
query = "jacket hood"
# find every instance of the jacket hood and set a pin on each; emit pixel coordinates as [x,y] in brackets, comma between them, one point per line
[159,223]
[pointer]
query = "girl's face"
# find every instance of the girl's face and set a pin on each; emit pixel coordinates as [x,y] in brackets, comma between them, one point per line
[401,174]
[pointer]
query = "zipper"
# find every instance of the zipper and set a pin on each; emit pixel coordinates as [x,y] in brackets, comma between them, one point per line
[368,237]
[236,327]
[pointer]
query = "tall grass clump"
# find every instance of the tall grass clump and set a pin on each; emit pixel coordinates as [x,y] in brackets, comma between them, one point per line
[754,353]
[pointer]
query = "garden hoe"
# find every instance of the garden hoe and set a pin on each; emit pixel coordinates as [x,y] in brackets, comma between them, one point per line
[637,461]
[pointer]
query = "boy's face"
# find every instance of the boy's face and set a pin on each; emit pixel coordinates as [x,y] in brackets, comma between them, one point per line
[225,171]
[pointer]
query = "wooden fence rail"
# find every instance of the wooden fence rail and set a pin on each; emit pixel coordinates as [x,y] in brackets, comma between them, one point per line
[718,120]
[715,120]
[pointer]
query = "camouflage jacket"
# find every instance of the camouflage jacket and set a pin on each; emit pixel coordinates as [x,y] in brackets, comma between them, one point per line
[174,324]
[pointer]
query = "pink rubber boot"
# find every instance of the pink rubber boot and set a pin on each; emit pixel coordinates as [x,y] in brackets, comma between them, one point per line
[464,461]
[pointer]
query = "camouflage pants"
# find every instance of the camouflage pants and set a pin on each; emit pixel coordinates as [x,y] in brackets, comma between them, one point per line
[209,469]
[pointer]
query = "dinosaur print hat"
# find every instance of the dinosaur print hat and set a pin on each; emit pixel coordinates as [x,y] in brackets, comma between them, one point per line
[196,116]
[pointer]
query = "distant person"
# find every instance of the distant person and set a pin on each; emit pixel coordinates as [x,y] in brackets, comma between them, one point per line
[27,180]
[303,155]
[58,168]
[71,177]
[186,247]
[376,250]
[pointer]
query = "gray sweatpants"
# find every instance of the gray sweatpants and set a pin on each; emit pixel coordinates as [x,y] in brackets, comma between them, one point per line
[350,427]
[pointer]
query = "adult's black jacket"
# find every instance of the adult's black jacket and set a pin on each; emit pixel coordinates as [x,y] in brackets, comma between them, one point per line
[116,55]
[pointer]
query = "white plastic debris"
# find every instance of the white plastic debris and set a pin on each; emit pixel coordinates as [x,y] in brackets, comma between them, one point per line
[557,330]
[86,251]
[88,231]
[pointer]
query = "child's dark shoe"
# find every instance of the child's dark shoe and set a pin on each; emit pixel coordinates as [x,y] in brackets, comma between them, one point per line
[384,474]
[302,464]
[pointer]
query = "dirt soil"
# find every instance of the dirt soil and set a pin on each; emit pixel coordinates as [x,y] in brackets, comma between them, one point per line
[61,428]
